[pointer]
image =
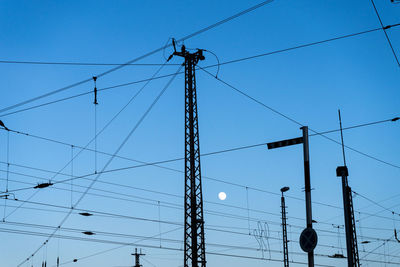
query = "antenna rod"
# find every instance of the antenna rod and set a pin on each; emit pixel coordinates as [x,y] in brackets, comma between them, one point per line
[341,136]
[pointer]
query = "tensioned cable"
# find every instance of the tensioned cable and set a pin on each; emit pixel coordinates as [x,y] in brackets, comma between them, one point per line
[130,159]
[143,164]
[363,208]
[108,162]
[295,121]
[179,249]
[154,163]
[369,252]
[123,235]
[384,31]
[168,194]
[319,203]
[82,63]
[243,12]
[112,249]
[375,203]
[172,64]
[102,130]
[210,66]
[99,214]
[97,240]
[121,216]
[211,212]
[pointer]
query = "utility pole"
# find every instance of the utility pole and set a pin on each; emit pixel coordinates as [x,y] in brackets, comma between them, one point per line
[284,229]
[307,185]
[194,247]
[137,257]
[349,220]
[308,238]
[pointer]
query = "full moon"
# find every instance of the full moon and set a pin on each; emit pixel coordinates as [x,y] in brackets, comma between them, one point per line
[222,195]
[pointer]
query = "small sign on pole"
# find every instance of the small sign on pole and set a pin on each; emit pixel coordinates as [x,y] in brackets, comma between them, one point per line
[288,142]
[308,239]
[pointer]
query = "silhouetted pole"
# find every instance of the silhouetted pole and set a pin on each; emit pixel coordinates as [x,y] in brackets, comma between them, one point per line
[307,184]
[194,245]
[349,221]
[284,229]
[137,257]
[308,238]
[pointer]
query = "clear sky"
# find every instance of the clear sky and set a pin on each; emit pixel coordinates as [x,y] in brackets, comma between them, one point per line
[358,75]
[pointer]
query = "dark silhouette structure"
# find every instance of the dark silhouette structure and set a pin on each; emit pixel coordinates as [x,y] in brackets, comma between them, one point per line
[137,257]
[284,229]
[349,220]
[2,125]
[194,247]
[308,238]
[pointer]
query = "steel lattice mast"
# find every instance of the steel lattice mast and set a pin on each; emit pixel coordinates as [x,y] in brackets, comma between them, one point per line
[353,259]
[195,255]
[284,229]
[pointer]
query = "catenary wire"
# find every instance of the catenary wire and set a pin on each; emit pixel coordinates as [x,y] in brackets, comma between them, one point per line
[386,35]
[143,164]
[179,249]
[375,203]
[241,13]
[123,235]
[82,63]
[108,162]
[97,134]
[167,194]
[296,122]
[175,206]
[214,65]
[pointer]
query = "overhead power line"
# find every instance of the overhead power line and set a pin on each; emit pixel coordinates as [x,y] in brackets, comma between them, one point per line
[206,67]
[107,164]
[82,63]
[225,246]
[98,133]
[384,28]
[298,123]
[210,153]
[209,227]
[156,164]
[130,236]
[191,35]
[376,203]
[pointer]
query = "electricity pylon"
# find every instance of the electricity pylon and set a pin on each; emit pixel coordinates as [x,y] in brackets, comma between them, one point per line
[194,247]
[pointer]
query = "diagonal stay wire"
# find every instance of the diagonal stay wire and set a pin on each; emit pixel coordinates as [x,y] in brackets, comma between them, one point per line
[82,63]
[370,252]
[296,122]
[157,163]
[210,153]
[384,31]
[106,165]
[243,12]
[86,93]
[118,247]
[375,203]
[306,45]
[96,135]
[210,66]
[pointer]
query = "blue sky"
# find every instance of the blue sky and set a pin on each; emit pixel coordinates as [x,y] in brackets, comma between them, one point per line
[358,75]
